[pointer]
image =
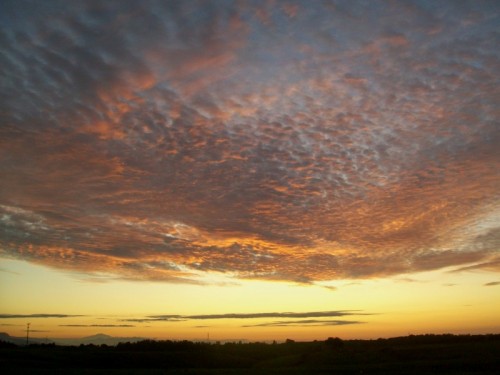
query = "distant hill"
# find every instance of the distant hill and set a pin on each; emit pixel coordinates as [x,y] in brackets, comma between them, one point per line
[98,339]
[19,340]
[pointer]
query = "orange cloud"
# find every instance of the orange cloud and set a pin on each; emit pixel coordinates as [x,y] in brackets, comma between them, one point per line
[261,141]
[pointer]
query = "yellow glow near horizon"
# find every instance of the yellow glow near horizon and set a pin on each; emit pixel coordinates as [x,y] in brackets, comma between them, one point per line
[431,302]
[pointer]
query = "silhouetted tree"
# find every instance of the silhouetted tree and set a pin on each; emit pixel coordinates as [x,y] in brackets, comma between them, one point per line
[334,342]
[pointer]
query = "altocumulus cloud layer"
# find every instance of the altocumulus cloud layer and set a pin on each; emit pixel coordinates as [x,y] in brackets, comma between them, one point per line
[270,140]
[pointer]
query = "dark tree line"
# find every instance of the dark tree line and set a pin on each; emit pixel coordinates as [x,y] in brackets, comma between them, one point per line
[479,354]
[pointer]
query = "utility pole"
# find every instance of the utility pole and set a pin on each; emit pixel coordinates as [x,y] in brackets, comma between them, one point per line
[27,334]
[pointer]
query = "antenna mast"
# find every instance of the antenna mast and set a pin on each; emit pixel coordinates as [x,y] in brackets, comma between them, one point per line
[27,334]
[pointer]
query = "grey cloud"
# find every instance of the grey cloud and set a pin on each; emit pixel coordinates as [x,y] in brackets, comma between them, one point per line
[434,260]
[493,265]
[492,283]
[97,325]
[305,323]
[16,316]
[312,314]
[157,318]
[291,315]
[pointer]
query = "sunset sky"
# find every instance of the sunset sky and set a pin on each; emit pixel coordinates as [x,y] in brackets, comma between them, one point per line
[255,170]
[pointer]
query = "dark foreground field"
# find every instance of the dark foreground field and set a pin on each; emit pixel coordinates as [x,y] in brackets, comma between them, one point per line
[427,354]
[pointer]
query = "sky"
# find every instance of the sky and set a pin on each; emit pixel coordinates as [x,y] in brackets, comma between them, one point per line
[252,170]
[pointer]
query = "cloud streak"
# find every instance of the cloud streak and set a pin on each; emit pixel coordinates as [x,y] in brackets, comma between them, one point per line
[313,314]
[244,316]
[17,316]
[98,325]
[305,323]
[492,283]
[163,141]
